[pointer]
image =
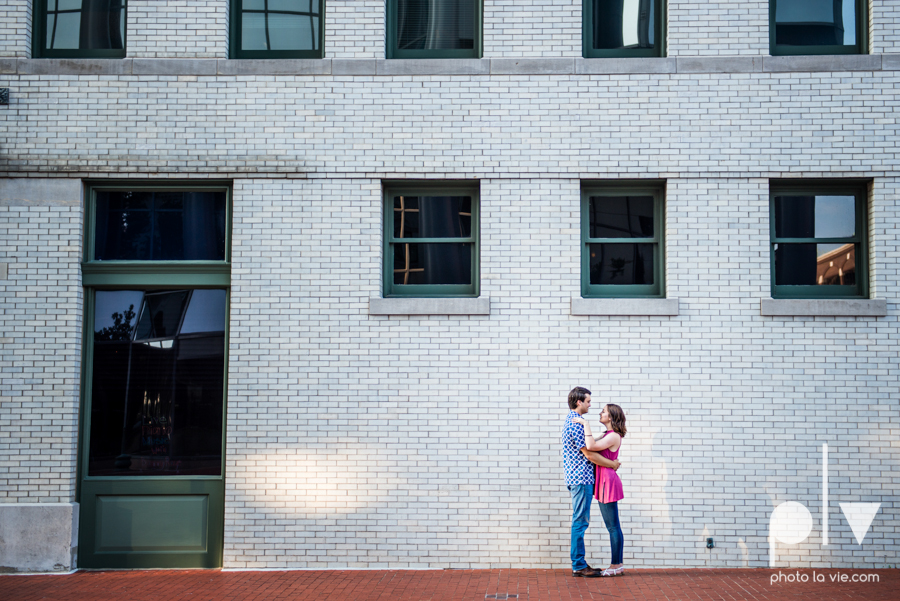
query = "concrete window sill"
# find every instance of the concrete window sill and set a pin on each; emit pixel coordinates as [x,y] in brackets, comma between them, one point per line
[623,307]
[803,307]
[430,306]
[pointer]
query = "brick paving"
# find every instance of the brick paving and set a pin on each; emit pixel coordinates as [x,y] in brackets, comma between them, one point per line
[447,585]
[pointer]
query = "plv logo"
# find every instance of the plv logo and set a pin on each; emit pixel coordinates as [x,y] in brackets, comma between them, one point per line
[791,522]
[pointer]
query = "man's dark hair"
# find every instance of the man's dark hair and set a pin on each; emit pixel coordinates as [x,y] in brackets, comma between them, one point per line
[579,393]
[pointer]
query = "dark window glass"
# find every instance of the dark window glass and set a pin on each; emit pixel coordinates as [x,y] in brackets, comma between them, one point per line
[621,264]
[84,24]
[160,226]
[158,383]
[815,22]
[815,216]
[815,264]
[621,217]
[435,24]
[432,216]
[623,24]
[280,24]
[433,263]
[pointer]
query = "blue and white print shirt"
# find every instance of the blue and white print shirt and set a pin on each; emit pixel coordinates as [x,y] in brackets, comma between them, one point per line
[578,469]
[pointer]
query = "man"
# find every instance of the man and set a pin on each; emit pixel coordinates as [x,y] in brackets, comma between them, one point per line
[579,465]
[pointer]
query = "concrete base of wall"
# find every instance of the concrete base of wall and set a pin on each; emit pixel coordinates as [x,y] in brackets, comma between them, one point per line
[38,537]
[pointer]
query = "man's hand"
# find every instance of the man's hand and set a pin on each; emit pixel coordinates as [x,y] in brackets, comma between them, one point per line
[598,459]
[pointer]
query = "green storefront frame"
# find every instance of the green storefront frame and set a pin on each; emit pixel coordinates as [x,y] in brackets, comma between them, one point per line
[120,516]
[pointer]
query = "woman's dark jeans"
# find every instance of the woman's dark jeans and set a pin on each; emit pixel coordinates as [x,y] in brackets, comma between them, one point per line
[610,512]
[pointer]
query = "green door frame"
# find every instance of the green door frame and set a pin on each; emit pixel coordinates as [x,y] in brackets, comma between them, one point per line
[206,493]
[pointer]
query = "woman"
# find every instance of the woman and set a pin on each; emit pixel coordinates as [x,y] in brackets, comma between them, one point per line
[607,485]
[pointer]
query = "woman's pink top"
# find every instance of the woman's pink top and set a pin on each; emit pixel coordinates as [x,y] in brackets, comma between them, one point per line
[607,485]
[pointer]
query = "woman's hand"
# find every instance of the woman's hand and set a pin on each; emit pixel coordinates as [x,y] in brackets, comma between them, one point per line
[579,420]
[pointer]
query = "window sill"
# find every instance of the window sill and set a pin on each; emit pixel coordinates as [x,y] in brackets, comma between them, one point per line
[805,307]
[430,306]
[623,307]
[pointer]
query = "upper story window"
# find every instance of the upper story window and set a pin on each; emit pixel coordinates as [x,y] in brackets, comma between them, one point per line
[622,251]
[818,238]
[817,27]
[277,28]
[79,29]
[431,239]
[623,28]
[433,28]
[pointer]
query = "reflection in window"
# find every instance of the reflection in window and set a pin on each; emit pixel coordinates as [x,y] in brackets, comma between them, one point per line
[815,264]
[435,24]
[432,217]
[621,264]
[815,22]
[280,25]
[159,226]
[623,24]
[621,216]
[84,24]
[158,383]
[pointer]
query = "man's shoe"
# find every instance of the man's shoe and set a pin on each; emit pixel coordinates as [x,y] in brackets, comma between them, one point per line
[587,572]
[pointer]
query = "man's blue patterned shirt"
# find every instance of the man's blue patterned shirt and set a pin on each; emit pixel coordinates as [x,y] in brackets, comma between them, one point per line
[578,469]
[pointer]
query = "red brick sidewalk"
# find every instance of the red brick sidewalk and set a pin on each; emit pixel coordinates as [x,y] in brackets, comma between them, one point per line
[447,585]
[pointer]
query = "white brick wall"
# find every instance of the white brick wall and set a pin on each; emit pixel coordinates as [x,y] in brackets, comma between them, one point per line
[178,29]
[718,28]
[885,25]
[354,29]
[40,352]
[15,28]
[531,28]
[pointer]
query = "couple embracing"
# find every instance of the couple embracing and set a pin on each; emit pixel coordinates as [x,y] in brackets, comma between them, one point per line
[581,450]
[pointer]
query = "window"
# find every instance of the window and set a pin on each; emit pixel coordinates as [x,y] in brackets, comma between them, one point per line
[158,281]
[79,29]
[622,28]
[433,28]
[622,230]
[277,28]
[431,239]
[818,234]
[817,27]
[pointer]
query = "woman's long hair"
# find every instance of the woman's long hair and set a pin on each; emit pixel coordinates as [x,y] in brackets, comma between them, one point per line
[616,419]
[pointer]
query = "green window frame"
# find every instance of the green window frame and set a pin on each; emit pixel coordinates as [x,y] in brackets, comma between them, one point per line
[41,10]
[406,188]
[655,290]
[587,34]
[392,44]
[862,36]
[859,190]
[235,27]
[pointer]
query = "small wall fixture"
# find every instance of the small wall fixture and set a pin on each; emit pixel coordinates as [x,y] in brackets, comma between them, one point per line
[709,543]
[4,96]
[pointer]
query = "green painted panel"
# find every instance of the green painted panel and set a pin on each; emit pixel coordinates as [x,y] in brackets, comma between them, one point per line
[169,523]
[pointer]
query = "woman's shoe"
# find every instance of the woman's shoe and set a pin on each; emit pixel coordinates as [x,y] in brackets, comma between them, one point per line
[609,572]
[620,571]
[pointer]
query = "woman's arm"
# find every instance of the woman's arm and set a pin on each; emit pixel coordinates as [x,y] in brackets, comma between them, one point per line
[596,445]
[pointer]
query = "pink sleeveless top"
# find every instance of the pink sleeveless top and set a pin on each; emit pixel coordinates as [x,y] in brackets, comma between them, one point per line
[607,485]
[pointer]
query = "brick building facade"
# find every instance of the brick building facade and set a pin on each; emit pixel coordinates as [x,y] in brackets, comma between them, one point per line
[370,432]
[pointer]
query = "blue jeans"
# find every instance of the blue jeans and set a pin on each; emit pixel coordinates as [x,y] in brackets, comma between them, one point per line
[582,495]
[610,513]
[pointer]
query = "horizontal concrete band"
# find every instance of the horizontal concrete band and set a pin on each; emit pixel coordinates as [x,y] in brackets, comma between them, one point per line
[623,307]
[430,306]
[876,307]
[483,66]
[33,191]
[38,537]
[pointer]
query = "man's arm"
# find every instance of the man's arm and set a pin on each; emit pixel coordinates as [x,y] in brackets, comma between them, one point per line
[598,459]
